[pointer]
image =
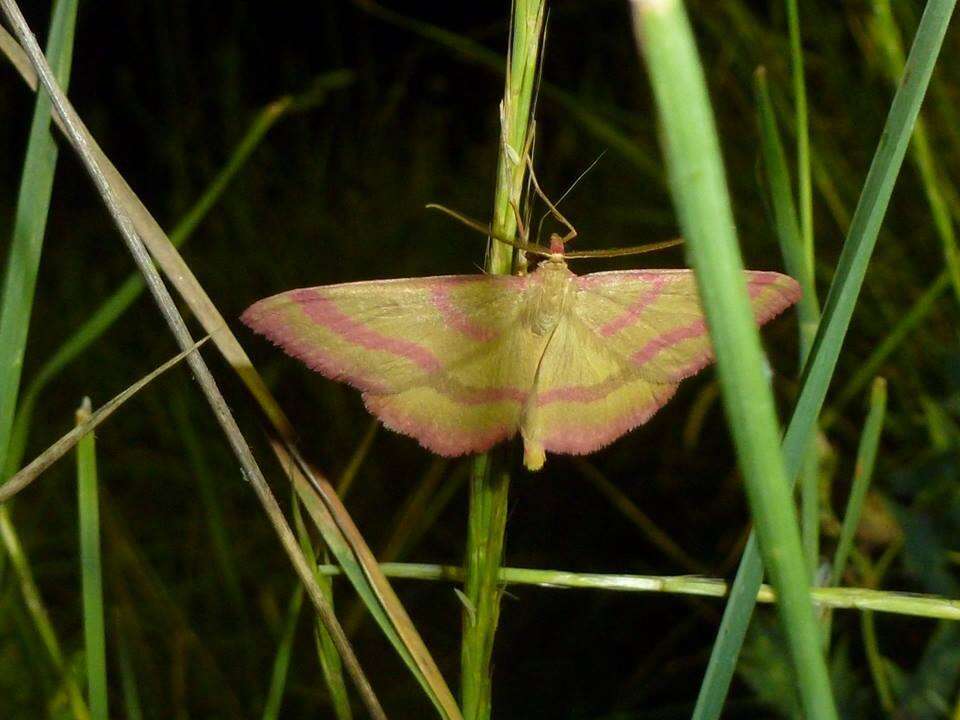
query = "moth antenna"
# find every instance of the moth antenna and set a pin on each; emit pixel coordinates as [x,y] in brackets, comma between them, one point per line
[487,231]
[572,231]
[569,190]
[620,252]
[580,177]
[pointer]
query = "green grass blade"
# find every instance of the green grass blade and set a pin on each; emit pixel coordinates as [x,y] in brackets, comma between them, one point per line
[330,661]
[281,661]
[94,633]
[30,221]
[206,482]
[863,599]
[866,457]
[125,669]
[797,255]
[786,224]
[700,194]
[887,36]
[16,303]
[608,133]
[392,621]
[837,313]
[490,481]
[805,190]
[923,306]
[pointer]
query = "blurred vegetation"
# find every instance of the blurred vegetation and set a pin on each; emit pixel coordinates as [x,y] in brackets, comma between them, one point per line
[197,592]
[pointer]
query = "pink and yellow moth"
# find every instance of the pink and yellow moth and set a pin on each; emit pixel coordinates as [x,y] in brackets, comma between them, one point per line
[462,362]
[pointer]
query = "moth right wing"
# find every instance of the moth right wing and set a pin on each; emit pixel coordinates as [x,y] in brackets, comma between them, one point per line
[654,321]
[446,360]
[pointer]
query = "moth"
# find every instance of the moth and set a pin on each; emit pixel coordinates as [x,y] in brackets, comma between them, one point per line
[462,362]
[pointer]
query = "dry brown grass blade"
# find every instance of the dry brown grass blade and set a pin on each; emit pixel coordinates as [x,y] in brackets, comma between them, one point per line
[200,304]
[60,448]
[85,147]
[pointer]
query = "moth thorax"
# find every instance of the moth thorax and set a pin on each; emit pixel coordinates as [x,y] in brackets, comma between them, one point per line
[550,302]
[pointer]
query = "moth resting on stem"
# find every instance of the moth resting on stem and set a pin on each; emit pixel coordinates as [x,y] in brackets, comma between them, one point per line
[462,362]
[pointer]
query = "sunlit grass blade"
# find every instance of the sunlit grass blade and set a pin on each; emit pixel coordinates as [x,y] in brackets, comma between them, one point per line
[343,541]
[786,224]
[847,598]
[91,576]
[863,474]
[695,168]
[101,319]
[837,313]
[39,615]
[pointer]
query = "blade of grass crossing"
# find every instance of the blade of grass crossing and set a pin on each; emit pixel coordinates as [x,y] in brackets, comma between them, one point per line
[837,313]
[91,575]
[849,598]
[698,185]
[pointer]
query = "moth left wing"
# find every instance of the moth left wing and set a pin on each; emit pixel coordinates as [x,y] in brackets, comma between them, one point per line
[442,359]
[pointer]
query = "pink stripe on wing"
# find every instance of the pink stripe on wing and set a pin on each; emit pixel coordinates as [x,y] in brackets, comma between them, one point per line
[632,313]
[325,312]
[668,339]
[455,317]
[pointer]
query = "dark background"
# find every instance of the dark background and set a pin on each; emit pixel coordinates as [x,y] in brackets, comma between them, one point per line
[336,193]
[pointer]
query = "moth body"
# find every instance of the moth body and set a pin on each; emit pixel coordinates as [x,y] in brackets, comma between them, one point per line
[557,289]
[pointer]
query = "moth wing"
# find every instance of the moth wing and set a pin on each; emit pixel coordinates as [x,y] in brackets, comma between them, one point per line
[654,321]
[444,359]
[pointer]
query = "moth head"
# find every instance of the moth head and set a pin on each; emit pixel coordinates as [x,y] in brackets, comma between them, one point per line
[556,248]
